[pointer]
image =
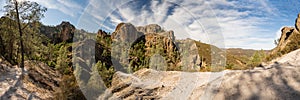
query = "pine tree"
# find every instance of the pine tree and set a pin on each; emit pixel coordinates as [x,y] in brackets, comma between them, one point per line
[24,13]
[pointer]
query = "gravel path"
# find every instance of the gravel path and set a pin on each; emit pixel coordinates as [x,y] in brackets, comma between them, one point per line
[9,80]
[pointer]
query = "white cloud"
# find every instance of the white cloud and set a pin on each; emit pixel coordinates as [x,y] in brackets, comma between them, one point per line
[68,7]
[2,4]
[237,23]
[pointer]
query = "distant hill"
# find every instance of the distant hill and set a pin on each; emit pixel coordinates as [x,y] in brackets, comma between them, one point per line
[238,58]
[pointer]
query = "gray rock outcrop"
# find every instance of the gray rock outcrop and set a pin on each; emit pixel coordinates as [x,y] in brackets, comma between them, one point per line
[154,28]
[190,58]
[151,28]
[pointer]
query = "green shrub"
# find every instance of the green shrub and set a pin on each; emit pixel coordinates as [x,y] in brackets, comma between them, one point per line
[257,58]
[106,72]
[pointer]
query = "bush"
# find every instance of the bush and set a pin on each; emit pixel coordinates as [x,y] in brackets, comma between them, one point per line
[106,72]
[257,58]
[229,66]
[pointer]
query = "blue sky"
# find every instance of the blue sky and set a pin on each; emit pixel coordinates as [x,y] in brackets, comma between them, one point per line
[253,24]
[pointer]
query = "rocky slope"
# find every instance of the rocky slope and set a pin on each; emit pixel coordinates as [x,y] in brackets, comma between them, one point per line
[48,55]
[39,82]
[279,80]
[288,41]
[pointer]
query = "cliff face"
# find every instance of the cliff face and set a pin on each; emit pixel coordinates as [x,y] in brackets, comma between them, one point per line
[137,47]
[134,46]
[288,41]
[151,28]
[125,32]
[63,32]
[286,33]
[190,59]
[154,28]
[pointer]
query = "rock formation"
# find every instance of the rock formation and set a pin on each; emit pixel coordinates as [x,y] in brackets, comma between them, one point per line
[133,47]
[165,47]
[63,32]
[66,31]
[274,81]
[125,32]
[190,59]
[101,34]
[151,39]
[151,28]
[154,28]
[297,23]
[288,41]
[286,32]
[168,34]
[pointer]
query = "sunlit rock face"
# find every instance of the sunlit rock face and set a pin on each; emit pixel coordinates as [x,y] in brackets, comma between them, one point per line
[289,39]
[125,32]
[134,47]
[286,32]
[297,23]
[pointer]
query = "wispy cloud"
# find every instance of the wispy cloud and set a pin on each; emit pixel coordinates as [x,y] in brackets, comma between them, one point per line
[222,23]
[68,7]
[248,24]
[2,3]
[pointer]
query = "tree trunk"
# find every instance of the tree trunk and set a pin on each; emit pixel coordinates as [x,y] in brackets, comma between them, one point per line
[21,36]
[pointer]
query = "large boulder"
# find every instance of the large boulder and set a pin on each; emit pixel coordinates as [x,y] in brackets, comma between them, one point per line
[190,59]
[122,38]
[125,32]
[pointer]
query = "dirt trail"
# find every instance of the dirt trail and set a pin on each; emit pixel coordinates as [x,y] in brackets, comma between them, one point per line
[39,82]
